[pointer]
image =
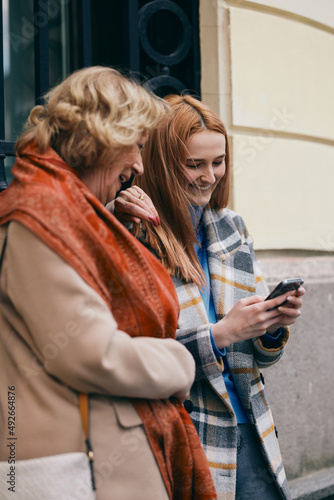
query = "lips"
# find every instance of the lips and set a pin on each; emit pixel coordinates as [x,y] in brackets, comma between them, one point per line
[200,188]
[123,178]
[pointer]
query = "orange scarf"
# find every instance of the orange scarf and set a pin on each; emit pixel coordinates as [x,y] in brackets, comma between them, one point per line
[48,197]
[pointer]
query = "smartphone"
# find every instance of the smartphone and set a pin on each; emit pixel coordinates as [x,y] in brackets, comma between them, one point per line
[285,286]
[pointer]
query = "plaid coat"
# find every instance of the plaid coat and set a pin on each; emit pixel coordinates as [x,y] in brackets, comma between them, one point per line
[234,274]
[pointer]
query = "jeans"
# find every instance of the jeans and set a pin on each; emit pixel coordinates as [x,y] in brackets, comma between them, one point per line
[254,481]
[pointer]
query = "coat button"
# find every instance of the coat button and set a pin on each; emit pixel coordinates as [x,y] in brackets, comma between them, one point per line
[188,405]
[262,378]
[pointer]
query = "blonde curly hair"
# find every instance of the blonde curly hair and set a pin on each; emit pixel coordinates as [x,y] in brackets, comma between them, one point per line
[91,117]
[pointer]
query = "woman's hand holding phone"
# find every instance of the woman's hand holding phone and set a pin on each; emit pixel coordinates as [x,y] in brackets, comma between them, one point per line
[290,308]
[256,315]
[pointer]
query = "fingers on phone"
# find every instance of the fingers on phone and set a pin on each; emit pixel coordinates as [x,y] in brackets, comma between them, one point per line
[291,311]
[278,301]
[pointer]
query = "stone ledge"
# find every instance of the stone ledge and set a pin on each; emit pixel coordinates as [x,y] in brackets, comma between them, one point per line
[316,486]
[311,269]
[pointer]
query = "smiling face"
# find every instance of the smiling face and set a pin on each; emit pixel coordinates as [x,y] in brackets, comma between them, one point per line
[205,165]
[106,180]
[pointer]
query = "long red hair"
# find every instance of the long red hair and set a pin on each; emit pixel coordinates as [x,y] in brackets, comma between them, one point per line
[164,159]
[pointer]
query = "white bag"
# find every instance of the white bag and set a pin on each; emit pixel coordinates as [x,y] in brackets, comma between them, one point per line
[57,477]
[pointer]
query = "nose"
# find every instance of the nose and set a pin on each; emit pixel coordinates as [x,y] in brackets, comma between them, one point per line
[208,175]
[138,167]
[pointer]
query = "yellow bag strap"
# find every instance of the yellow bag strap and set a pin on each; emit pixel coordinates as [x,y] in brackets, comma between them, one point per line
[84,410]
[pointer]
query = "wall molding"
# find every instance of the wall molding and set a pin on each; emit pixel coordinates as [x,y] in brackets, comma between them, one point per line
[266,9]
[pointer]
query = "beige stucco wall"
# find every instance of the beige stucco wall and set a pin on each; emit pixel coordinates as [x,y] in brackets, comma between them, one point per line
[267,70]
[269,73]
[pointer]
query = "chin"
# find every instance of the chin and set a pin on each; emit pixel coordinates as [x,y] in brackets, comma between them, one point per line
[200,201]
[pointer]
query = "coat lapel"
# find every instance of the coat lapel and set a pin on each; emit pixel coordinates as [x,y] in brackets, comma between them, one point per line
[229,284]
[193,312]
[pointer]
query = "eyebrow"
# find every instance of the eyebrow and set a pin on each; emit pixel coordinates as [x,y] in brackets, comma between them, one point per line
[201,159]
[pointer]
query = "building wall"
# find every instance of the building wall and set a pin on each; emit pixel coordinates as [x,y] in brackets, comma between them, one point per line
[267,70]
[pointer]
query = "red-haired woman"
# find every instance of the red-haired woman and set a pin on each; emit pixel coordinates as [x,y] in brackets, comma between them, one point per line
[224,322]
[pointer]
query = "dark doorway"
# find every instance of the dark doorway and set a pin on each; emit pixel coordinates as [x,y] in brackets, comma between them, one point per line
[43,41]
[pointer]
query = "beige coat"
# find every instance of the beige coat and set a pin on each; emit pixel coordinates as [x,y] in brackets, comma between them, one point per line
[58,337]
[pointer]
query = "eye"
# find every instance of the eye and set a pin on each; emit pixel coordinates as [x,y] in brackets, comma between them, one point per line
[140,147]
[218,162]
[193,165]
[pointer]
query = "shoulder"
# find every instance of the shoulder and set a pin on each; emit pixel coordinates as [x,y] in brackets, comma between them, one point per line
[227,218]
[20,235]
[29,255]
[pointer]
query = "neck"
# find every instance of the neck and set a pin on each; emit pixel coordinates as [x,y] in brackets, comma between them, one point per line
[196,215]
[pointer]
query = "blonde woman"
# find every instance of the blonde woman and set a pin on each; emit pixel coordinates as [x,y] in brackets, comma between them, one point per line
[86,309]
[224,322]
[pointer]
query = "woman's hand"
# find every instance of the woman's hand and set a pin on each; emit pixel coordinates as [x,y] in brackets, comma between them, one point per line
[254,316]
[290,311]
[134,205]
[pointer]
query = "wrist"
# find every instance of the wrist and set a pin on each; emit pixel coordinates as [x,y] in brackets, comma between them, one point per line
[219,334]
[274,330]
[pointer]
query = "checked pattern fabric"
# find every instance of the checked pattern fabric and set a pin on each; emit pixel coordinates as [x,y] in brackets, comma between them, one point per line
[234,274]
